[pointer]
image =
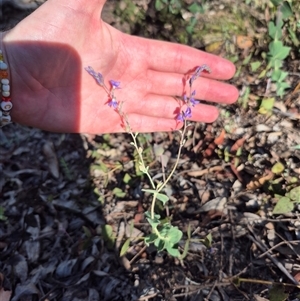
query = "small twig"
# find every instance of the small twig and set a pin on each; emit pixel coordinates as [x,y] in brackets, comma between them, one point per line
[231,252]
[193,289]
[279,244]
[263,248]
[211,291]
[146,298]
[137,255]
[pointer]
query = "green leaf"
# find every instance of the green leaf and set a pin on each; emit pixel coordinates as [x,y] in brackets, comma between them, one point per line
[196,8]
[276,2]
[239,152]
[278,51]
[125,247]
[283,76]
[174,6]
[266,105]
[281,87]
[158,149]
[208,240]
[149,239]
[284,205]
[162,197]
[108,235]
[286,10]
[277,293]
[175,235]
[143,168]
[164,230]
[226,154]
[275,31]
[186,249]
[255,66]
[87,231]
[126,178]
[187,243]
[276,64]
[191,26]
[173,251]
[278,168]
[276,74]
[279,75]
[159,5]
[262,74]
[156,216]
[294,37]
[2,216]
[154,222]
[118,192]
[244,98]
[294,194]
[247,59]
[189,231]
[159,244]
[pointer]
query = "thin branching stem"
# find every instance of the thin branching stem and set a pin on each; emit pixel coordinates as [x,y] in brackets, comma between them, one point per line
[145,170]
[172,171]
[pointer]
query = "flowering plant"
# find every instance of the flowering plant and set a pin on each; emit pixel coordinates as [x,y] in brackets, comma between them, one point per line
[164,235]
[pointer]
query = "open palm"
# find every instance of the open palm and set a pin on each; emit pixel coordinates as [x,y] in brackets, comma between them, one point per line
[48,51]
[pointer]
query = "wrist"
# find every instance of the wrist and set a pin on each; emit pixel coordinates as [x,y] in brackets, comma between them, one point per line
[5,88]
[16,60]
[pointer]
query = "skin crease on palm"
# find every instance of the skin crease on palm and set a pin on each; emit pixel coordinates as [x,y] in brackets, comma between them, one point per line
[48,51]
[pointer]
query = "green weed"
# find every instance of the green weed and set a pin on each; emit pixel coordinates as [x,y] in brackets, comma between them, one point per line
[285,204]
[2,215]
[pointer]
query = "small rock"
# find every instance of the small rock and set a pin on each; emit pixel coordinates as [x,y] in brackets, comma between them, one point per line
[262,128]
[273,137]
[237,186]
[252,205]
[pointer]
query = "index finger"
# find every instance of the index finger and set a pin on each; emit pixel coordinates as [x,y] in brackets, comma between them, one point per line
[171,57]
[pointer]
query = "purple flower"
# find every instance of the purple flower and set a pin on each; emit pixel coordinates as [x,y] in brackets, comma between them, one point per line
[97,76]
[197,73]
[115,84]
[184,115]
[113,103]
[194,102]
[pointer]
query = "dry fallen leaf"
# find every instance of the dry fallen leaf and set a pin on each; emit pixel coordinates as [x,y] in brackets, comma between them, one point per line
[210,149]
[221,138]
[214,47]
[260,181]
[51,158]
[244,42]
[297,88]
[239,143]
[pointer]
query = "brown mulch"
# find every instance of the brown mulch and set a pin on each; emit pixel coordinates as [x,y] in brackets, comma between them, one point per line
[64,221]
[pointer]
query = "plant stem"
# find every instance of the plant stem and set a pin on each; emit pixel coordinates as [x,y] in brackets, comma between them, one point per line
[177,159]
[172,171]
[141,159]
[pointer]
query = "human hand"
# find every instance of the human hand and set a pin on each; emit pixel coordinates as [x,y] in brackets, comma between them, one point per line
[48,51]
